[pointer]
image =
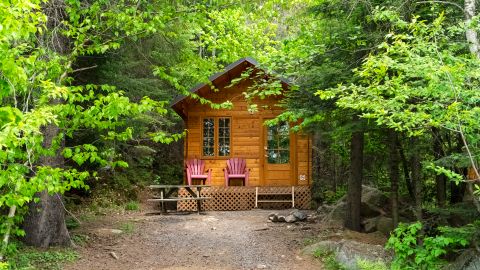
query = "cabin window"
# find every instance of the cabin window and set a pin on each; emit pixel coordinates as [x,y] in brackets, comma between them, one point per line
[278,144]
[216,136]
[209,137]
[223,137]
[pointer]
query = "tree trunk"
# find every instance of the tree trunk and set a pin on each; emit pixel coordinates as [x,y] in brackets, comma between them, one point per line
[416,179]
[354,189]
[44,223]
[406,172]
[471,33]
[440,180]
[394,174]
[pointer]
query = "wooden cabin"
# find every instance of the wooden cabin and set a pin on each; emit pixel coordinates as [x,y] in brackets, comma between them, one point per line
[274,155]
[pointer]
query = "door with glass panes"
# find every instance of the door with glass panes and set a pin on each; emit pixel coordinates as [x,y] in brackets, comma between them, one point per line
[277,155]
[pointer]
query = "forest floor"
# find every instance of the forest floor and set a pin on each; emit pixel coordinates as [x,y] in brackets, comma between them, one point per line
[213,240]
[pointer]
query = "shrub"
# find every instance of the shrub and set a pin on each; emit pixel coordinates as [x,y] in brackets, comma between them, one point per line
[132,206]
[414,250]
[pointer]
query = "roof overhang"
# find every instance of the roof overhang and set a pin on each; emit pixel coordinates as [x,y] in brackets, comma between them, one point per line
[231,71]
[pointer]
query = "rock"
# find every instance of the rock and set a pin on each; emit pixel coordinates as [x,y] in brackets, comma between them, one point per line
[312,218]
[374,196]
[348,252]
[261,266]
[370,225]
[384,225]
[299,215]
[273,218]
[281,218]
[338,212]
[367,210]
[114,255]
[468,260]
[105,231]
[290,219]
[272,215]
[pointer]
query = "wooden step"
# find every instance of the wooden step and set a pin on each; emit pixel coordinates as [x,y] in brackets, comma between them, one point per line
[266,193]
[275,201]
[178,199]
[262,194]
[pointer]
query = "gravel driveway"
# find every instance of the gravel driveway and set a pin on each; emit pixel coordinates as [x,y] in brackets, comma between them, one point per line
[216,240]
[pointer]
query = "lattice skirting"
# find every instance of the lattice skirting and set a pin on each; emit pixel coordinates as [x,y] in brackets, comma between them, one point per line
[237,198]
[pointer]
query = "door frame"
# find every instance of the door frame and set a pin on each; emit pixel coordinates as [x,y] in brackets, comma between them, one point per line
[293,153]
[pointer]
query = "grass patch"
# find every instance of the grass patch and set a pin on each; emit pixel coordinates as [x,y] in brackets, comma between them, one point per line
[127,227]
[80,239]
[132,206]
[328,259]
[51,259]
[369,265]
[308,241]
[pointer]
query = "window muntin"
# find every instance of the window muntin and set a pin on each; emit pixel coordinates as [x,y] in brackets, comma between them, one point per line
[224,137]
[278,144]
[208,137]
[216,136]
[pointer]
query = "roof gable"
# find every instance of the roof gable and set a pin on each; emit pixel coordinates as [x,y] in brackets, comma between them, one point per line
[230,72]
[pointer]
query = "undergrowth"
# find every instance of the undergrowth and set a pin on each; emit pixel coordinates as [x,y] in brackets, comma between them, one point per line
[33,259]
[328,259]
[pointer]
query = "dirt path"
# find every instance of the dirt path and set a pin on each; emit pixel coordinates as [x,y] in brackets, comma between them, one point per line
[216,240]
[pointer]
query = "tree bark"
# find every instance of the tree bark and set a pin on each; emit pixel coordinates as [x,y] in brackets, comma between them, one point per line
[354,189]
[405,168]
[440,180]
[471,33]
[394,174]
[416,179]
[44,223]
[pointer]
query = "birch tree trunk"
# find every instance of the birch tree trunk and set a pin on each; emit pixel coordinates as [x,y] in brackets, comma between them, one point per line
[471,33]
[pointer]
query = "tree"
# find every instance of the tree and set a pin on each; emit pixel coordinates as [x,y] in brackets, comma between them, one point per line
[41,105]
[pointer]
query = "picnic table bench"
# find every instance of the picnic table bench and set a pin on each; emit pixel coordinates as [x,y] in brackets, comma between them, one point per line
[166,192]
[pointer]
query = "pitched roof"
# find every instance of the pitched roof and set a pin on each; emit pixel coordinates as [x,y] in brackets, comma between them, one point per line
[242,63]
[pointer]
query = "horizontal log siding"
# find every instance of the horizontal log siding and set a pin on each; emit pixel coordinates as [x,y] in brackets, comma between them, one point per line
[245,136]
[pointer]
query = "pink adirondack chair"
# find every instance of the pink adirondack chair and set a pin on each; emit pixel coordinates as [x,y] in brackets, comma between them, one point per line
[195,169]
[236,168]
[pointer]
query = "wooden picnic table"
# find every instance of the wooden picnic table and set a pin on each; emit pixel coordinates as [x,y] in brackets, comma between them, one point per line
[166,192]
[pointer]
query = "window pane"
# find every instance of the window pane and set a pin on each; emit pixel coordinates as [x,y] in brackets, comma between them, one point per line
[224,137]
[208,136]
[278,144]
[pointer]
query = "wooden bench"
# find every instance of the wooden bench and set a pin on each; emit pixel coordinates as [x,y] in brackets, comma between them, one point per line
[266,193]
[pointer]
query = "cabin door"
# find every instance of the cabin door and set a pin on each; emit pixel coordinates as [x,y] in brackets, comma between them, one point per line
[277,155]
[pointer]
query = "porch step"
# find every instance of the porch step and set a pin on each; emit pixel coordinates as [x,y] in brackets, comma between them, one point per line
[263,193]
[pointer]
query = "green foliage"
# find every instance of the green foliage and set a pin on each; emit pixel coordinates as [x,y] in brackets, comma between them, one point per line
[35,259]
[132,206]
[331,197]
[415,250]
[80,239]
[37,93]
[369,265]
[328,259]
[71,223]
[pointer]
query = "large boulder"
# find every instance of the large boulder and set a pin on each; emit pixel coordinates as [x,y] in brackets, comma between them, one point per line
[370,224]
[384,225]
[468,260]
[374,202]
[374,196]
[349,252]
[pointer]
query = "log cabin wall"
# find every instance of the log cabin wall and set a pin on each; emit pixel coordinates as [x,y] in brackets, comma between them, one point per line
[247,137]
